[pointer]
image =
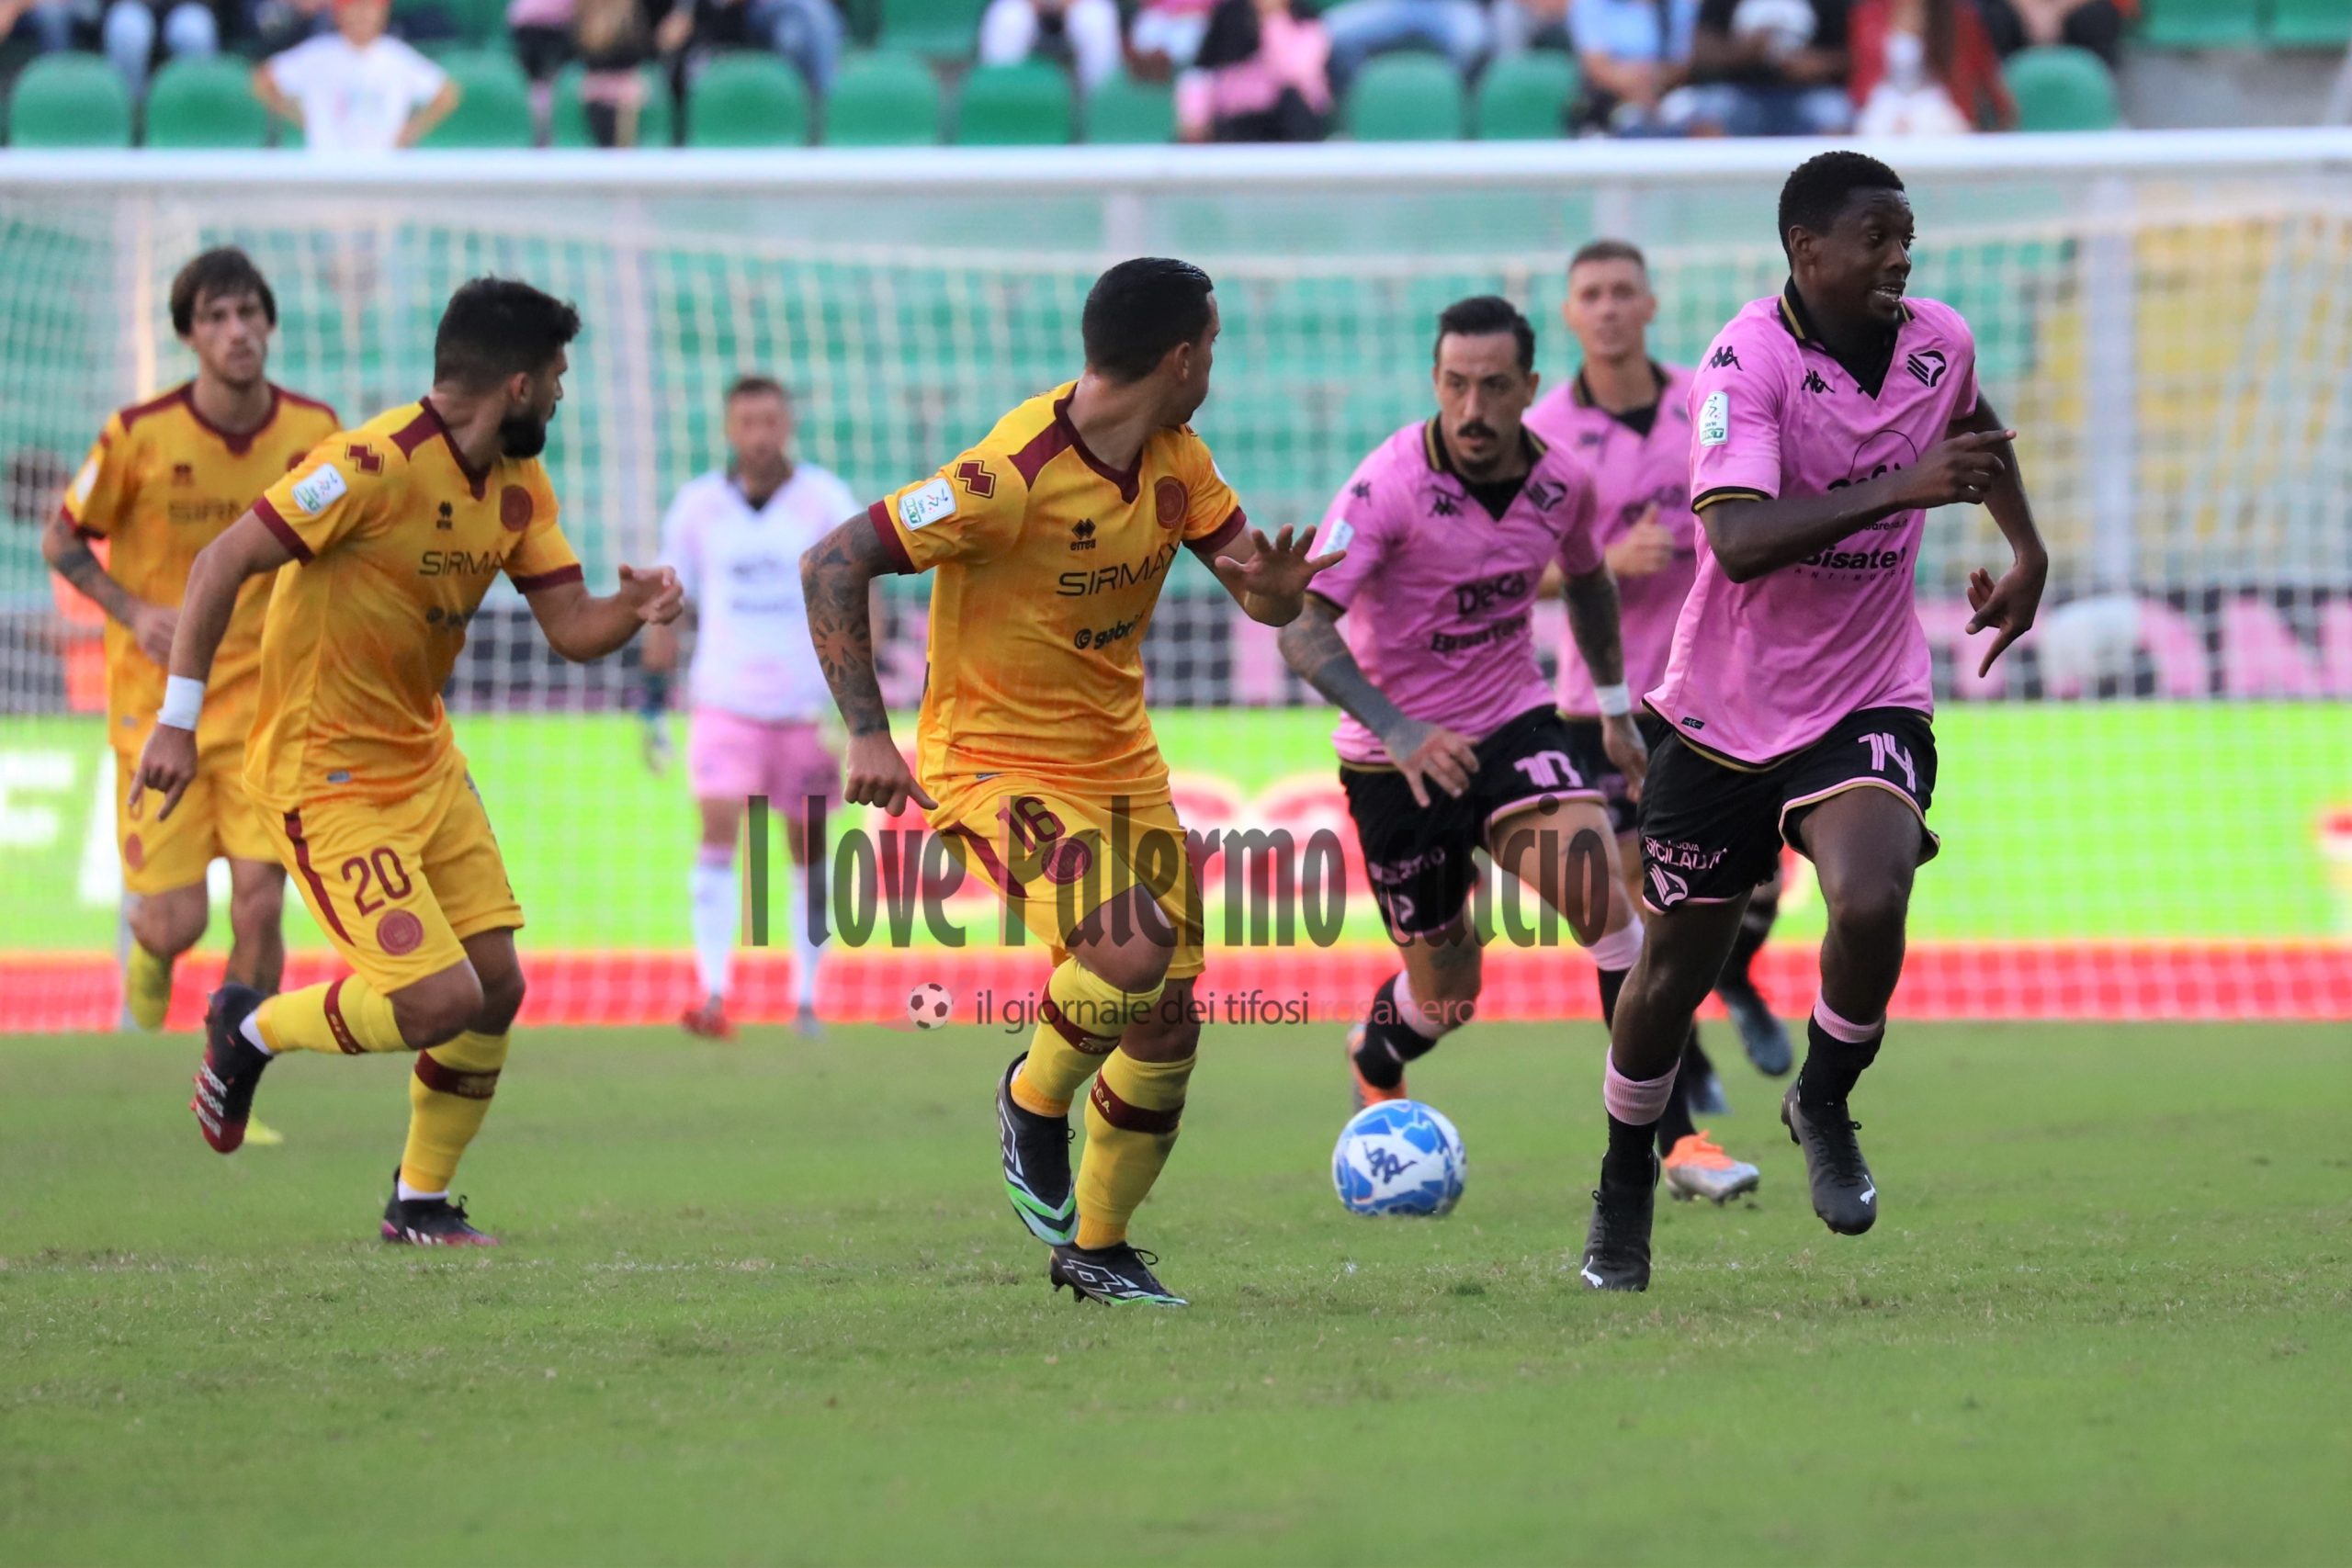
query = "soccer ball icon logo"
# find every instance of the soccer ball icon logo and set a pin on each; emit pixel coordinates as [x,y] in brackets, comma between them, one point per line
[929,1005]
[1398,1158]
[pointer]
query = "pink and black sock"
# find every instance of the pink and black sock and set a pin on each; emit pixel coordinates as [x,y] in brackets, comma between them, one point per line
[1395,1032]
[1613,959]
[1840,1051]
[1635,1107]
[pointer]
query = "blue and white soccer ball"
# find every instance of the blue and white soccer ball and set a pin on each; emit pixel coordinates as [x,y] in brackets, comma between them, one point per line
[1398,1158]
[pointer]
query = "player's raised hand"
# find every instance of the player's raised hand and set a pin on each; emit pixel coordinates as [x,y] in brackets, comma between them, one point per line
[1643,550]
[876,774]
[1621,737]
[653,593]
[1960,470]
[166,766]
[1275,571]
[1427,754]
[153,625]
[2008,605]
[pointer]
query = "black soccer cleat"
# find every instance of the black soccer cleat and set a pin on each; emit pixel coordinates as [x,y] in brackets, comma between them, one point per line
[1037,1165]
[231,1071]
[1111,1275]
[1844,1194]
[1765,1037]
[429,1222]
[1617,1246]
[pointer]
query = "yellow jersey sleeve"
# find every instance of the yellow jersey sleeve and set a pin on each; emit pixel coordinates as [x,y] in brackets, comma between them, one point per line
[100,494]
[343,488]
[543,558]
[1213,512]
[969,513]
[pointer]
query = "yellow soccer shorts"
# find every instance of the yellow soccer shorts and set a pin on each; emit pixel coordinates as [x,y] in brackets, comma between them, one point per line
[1053,857]
[399,885]
[215,818]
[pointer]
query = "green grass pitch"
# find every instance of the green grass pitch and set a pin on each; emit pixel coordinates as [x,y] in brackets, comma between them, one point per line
[765,1303]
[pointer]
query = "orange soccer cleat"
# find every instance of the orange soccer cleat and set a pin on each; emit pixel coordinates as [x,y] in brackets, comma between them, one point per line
[709,1021]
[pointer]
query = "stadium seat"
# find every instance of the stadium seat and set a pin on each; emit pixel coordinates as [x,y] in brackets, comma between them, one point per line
[69,100]
[2202,24]
[198,102]
[494,103]
[479,22]
[1525,97]
[885,99]
[1406,97]
[568,117]
[2311,24]
[1026,105]
[945,30]
[2058,88]
[748,100]
[1126,112]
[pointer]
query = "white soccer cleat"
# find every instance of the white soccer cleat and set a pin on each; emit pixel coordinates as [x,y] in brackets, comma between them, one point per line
[1696,1167]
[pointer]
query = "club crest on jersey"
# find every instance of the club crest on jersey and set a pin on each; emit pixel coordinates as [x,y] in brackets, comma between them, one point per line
[932,499]
[1168,498]
[321,490]
[1715,419]
[977,478]
[399,933]
[514,508]
[1928,365]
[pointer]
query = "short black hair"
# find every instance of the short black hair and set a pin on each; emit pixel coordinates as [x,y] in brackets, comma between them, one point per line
[497,327]
[1138,310]
[754,385]
[1819,188]
[224,273]
[1609,250]
[1482,315]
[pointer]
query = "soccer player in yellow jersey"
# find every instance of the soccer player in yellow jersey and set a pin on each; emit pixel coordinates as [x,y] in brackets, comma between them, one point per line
[390,535]
[165,479]
[1051,539]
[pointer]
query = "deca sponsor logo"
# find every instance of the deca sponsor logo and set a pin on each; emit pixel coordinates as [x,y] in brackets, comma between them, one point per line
[1485,593]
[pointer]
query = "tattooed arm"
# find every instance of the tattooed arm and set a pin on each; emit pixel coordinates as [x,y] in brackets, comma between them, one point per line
[1312,645]
[836,576]
[69,555]
[1593,621]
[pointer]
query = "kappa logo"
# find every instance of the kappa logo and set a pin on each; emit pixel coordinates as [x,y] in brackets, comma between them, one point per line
[1444,505]
[1360,490]
[977,478]
[1081,535]
[1928,364]
[1814,383]
[1725,358]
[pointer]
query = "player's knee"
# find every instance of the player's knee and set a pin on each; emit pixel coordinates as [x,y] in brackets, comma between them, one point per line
[501,1000]
[168,924]
[1868,909]
[436,1011]
[1128,943]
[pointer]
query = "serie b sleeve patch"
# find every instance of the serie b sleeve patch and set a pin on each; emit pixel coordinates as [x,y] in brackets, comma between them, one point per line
[320,491]
[926,503]
[1715,419]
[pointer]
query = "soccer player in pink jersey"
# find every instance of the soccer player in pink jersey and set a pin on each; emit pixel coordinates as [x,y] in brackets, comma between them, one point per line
[1622,416]
[1450,742]
[735,537]
[1827,419]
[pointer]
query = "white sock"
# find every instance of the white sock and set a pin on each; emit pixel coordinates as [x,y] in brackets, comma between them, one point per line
[806,955]
[410,1194]
[717,909]
[251,1029]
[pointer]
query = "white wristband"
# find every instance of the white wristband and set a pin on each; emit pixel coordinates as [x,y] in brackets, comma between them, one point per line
[183,701]
[1615,702]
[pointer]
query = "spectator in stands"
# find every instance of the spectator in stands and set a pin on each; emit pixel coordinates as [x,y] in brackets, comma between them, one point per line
[1166,36]
[1262,74]
[612,41]
[128,29]
[1460,30]
[1633,56]
[1925,67]
[2095,25]
[809,33]
[354,90]
[1084,32]
[50,23]
[541,33]
[279,25]
[1771,68]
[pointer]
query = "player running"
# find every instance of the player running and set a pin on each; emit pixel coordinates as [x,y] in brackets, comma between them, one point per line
[1052,539]
[390,534]
[1828,419]
[735,537]
[166,477]
[1449,742]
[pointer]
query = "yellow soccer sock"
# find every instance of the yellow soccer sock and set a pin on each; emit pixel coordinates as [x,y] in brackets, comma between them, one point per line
[448,1098]
[1078,1023]
[347,1015]
[1131,1121]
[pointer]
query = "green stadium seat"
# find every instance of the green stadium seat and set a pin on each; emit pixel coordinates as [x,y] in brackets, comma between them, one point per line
[2311,24]
[205,103]
[1126,112]
[2059,88]
[1026,105]
[1406,97]
[478,22]
[1525,97]
[748,100]
[2201,23]
[945,30]
[69,100]
[494,103]
[568,116]
[885,99]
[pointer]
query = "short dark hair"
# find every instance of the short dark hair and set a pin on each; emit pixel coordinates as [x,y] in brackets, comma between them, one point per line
[1609,250]
[1819,188]
[754,385]
[497,327]
[1140,310]
[224,273]
[1482,315]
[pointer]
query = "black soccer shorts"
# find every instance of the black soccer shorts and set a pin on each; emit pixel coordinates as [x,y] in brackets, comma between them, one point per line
[1592,759]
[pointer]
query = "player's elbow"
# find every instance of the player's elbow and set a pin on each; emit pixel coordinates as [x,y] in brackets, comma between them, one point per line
[1729,543]
[57,541]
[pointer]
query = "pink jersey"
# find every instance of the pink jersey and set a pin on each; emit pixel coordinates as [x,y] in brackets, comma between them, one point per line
[1439,589]
[1633,470]
[1763,669]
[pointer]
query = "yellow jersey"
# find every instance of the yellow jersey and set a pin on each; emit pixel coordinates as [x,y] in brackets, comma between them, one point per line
[1049,565]
[161,484]
[395,540]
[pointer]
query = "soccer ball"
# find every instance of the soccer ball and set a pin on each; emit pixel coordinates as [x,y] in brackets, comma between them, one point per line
[1398,1158]
[929,1005]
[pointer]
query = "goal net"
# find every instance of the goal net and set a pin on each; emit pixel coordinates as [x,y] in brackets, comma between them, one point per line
[2147,809]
